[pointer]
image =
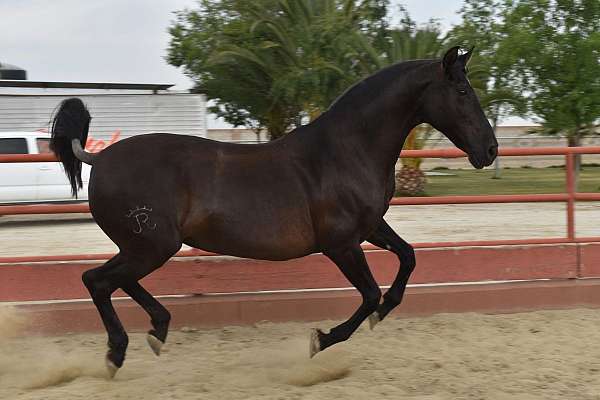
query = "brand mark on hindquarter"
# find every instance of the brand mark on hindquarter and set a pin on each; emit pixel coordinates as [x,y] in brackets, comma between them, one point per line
[141,216]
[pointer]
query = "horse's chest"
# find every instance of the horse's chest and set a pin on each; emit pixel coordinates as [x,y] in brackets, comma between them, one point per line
[350,218]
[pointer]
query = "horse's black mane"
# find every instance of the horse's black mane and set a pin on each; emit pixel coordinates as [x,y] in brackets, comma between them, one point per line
[372,86]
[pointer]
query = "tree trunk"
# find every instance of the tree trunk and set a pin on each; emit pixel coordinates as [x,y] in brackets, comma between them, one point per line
[410,181]
[275,132]
[277,123]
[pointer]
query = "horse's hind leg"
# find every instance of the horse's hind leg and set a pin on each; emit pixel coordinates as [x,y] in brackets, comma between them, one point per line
[123,271]
[159,315]
[386,238]
[101,288]
[351,261]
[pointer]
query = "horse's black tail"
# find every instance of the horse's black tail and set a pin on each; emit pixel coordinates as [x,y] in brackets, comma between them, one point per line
[69,134]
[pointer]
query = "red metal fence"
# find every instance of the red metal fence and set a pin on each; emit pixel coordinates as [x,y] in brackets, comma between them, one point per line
[570,197]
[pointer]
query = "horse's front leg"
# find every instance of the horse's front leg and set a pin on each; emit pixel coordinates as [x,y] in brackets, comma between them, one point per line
[351,261]
[386,238]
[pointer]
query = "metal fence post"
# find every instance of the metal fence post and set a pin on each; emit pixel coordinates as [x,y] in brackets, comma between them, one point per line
[571,190]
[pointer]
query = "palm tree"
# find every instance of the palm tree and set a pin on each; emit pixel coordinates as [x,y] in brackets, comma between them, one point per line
[300,58]
[411,180]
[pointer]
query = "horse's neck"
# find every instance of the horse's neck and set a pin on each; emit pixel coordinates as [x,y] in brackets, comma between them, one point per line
[375,133]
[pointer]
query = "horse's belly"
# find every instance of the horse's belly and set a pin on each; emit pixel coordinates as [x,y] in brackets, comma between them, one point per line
[260,234]
[253,245]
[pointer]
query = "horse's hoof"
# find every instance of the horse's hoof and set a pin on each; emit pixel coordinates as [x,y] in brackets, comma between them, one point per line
[155,343]
[111,368]
[374,320]
[315,343]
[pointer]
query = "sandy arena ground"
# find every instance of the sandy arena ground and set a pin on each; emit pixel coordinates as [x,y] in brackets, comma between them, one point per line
[77,233]
[539,355]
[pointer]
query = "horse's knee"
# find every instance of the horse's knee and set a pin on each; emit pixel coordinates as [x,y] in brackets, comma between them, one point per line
[89,279]
[408,259]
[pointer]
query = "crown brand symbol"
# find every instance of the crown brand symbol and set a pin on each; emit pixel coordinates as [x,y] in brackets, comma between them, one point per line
[141,216]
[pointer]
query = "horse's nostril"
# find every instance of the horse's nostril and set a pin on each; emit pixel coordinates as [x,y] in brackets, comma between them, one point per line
[493,152]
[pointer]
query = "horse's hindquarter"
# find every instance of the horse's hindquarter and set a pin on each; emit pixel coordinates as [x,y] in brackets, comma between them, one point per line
[137,190]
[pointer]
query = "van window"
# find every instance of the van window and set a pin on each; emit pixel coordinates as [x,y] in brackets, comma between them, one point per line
[43,145]
[13,146]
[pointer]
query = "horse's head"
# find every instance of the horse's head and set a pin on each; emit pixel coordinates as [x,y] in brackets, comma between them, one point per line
[451,106]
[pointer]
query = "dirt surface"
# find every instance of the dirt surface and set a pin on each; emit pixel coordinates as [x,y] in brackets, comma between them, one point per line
[538,355]
[78,234]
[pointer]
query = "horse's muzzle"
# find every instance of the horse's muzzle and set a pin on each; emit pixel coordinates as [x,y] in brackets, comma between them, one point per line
[492,153]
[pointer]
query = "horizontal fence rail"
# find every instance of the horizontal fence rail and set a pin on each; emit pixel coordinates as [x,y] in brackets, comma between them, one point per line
[429,153]
[570,196]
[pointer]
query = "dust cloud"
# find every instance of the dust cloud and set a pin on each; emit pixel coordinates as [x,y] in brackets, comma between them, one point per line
[288,363]
[42,362]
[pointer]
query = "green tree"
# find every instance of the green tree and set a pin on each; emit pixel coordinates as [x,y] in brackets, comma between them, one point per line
[271,63]
[490,68]
[407,41]
[240,92]
[555,46]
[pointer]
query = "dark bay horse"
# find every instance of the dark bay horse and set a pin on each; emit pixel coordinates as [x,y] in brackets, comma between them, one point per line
[324,187]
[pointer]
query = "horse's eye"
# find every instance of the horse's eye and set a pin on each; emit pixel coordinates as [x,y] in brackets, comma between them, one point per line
[462,91]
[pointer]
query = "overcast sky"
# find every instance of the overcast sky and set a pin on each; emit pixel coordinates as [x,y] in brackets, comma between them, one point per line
[117,40]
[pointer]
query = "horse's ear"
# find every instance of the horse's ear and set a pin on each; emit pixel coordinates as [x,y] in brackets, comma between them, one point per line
[465,58]
[450,57]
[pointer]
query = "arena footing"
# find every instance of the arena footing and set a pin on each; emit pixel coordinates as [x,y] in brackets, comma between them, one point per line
[204,311]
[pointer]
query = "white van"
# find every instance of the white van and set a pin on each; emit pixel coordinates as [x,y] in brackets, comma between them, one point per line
[35,181]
